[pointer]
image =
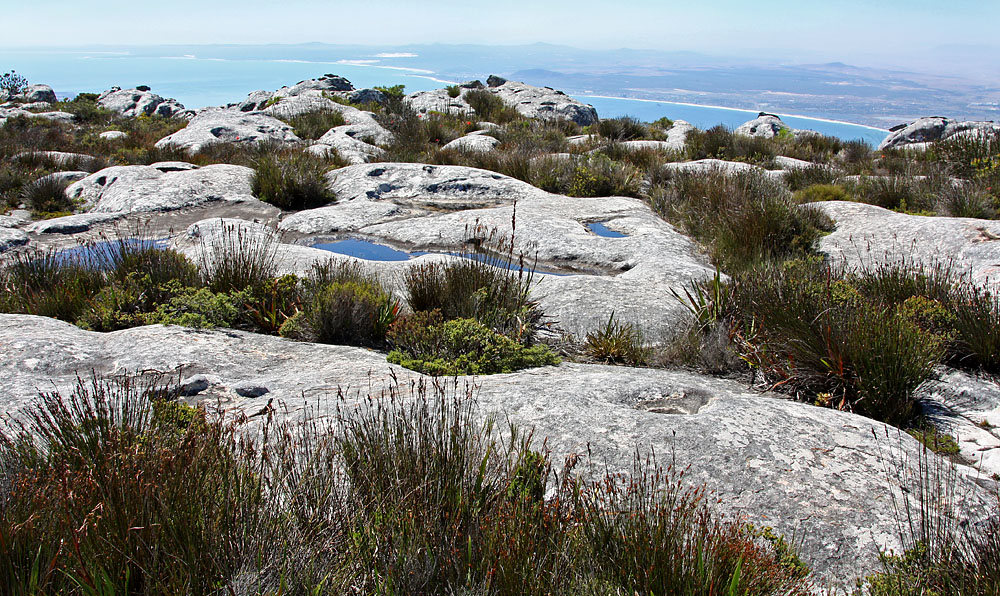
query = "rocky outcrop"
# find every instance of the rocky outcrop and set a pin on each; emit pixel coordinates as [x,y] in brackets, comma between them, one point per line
[704,166]
[766,126]
[346,146]
[15,112]
[113,135]
[11,238]
[36,94]
[149,189]
[478,143]
[285,107]
[934,128]
[228,126]
[866,235]
[137,102]
[544,103]
[439,100]
[326,86]
[813,473]
[967,407]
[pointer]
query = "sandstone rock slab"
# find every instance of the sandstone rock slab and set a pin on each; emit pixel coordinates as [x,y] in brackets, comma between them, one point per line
[228,126]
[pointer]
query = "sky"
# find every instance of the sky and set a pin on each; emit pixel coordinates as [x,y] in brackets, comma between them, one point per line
[805,28]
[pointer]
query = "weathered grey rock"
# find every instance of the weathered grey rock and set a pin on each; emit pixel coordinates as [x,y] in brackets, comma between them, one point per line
[766,126]
[480,143]
[544,103]
[934,128]
[867,235]
[790,163]
[228,126]
[113,135]
[814,473]
[7,221]
[255,101]
[408,184]
[704,166]
[494,81]
[346,146]
[71,224]
[328,82]
[194,384]
[173,166]
[438,100]
[581,139]
[363,96]
[285,107]
[133,103]
[37,94]
[7,113]
[11,238]
[362,126]
[349,216]
[145,188]
[64,177]
[968,408]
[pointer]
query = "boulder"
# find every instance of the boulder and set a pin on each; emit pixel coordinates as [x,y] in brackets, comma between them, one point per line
[765,126]
[346,146]
[811,473]
[867,235]
[64,177]
[64,117]
[438,100]
[790,163]
[255,101]
[37,94]
[327,82]
[967,407]
[148,189]
[136,102]
[934,128]
[228,126]
[477,143]
[11,238]
[544,103]
[703,166]
[285,107]
[363,126]
[113,135]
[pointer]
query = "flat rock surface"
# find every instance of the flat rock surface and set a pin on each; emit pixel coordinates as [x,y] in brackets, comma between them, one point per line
[229,126]
[71,224]
[11,238]
[967,407]
[811,472]
[147,188]
[867,234]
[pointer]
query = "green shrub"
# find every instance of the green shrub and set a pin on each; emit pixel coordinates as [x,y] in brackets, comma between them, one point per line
[292,183]
[625,128]
[800,178]
[313,125]
[453,91]
[200,308]
[393,92]
[721,143]
[900,193]
[47,196]
[968,200]
[617,343]
[489,107]
[466,347]
[485,287]
[742,219]
[349,313]
[821,192]
[593,175]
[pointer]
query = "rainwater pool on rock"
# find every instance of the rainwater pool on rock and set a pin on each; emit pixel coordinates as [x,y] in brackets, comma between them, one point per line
[366,250]
[601,230]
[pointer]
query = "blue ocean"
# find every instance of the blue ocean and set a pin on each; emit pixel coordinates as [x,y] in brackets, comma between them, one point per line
[199,81]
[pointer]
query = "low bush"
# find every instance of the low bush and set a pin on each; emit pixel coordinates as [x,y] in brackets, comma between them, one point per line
[900,193]
[484,286]
[970,199]
[721,143]
[593,175]
[428,344]
[348,313]
[200,308]
[743,219]
[490,107]
[617,343]
[237,257]
[48,284]
[621,129]
[821,192]
[313,125]
[800,178]
[47,197]
[292,183]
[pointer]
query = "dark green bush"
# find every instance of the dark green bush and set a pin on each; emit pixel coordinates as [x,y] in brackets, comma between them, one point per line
[593,175]
[800,178]
[460,347]
[484,286]
[349,313]
[47,197]
[48,284]
[292,183]
[313,125]
[490,107]
[742,219]
[721,143]
[625,128]
[200,308]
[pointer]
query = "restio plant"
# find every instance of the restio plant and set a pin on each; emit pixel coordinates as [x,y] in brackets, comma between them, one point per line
[292,183]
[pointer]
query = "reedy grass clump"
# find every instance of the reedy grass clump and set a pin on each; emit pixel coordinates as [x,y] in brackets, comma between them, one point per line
[313,125]
[46,197]
[617,343]
[625,128]
[116,488]
[294,182]
[238,257]
[742,219]
[490,107]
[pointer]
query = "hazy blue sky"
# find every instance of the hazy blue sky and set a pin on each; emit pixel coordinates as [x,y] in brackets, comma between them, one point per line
[832,27]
